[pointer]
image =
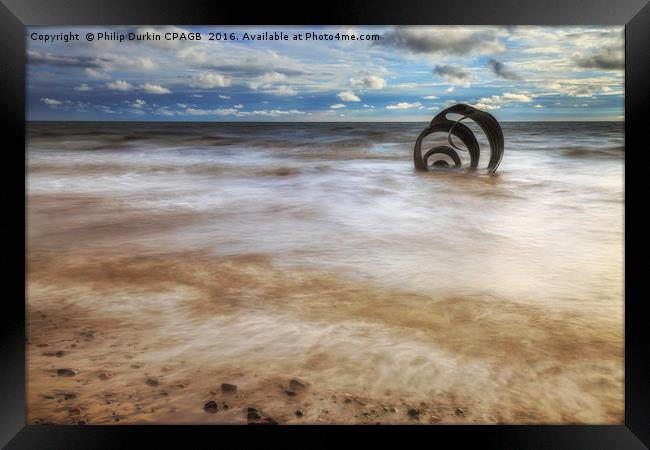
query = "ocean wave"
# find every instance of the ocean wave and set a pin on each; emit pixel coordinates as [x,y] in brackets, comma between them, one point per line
[615,152]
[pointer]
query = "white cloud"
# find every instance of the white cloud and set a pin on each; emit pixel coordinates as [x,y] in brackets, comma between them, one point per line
[51,101]
[370,82]
[224,97]
[281,90]
[337,106]
[119,85]
[450,89]
[267,80]
[405,105]
[278,112]
[238,113]
[496,101]
[210,80]
[348,96]
[93,73]
[430,97]
[154,89]
[83,87]
[206,112]
[139,103]
[268,83]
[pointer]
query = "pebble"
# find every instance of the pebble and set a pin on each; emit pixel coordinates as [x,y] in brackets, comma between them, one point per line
[105,376]
[299,413]
[296,385]
[460,412]
[66,372]
[152,382]
[252,413]
[211,407]
[227,387]
[414,413]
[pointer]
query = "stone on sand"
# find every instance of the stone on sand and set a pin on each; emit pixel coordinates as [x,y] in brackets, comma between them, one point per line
[414,413]
[211,407]
[227,387]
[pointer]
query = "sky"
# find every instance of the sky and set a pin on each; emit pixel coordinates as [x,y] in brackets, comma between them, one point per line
[402,74]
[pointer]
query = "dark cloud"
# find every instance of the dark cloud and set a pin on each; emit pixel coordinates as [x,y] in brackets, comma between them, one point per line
[48,59]
[453,41]
[608,59]
[453,74]
[501,71]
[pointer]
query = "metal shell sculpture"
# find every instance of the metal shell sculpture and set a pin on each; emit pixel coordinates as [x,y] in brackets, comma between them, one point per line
[441,124]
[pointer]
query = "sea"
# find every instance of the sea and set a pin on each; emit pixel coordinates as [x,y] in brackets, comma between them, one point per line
[512,274]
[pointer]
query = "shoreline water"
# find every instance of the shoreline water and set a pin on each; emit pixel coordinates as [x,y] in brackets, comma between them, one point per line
[204,256]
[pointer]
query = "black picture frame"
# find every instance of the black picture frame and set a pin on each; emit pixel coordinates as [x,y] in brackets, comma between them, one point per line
[16,14]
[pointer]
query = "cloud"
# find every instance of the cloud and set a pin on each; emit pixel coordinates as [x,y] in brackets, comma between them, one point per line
[501,71]
[278,112]
[581,87]
[83,87]
[92,73]
[119,85]
[237,112]
[430,97]
[51,101]
[224,97]
[47,59]
[446,40]
[369,82]
[281,90]
[496,101]
[138,103]
[210,80]
[348,96]
[154,89]
[607,59]
[450,89]
[267,80]
[206,112]
[268,83]
[405,105]
[337,106]
[454,74]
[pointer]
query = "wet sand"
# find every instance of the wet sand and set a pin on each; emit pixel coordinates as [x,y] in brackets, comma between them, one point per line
[121,334]
[166,263]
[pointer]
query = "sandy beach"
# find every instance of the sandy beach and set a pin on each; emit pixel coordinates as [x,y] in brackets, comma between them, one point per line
[246,302]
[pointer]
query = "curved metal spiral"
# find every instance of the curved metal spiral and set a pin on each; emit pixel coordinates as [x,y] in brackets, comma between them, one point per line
[440,124]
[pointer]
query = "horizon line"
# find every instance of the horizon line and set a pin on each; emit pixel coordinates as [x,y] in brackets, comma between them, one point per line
[305,121]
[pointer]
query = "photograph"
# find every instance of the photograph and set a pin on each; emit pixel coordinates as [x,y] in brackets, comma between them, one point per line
[325,225]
